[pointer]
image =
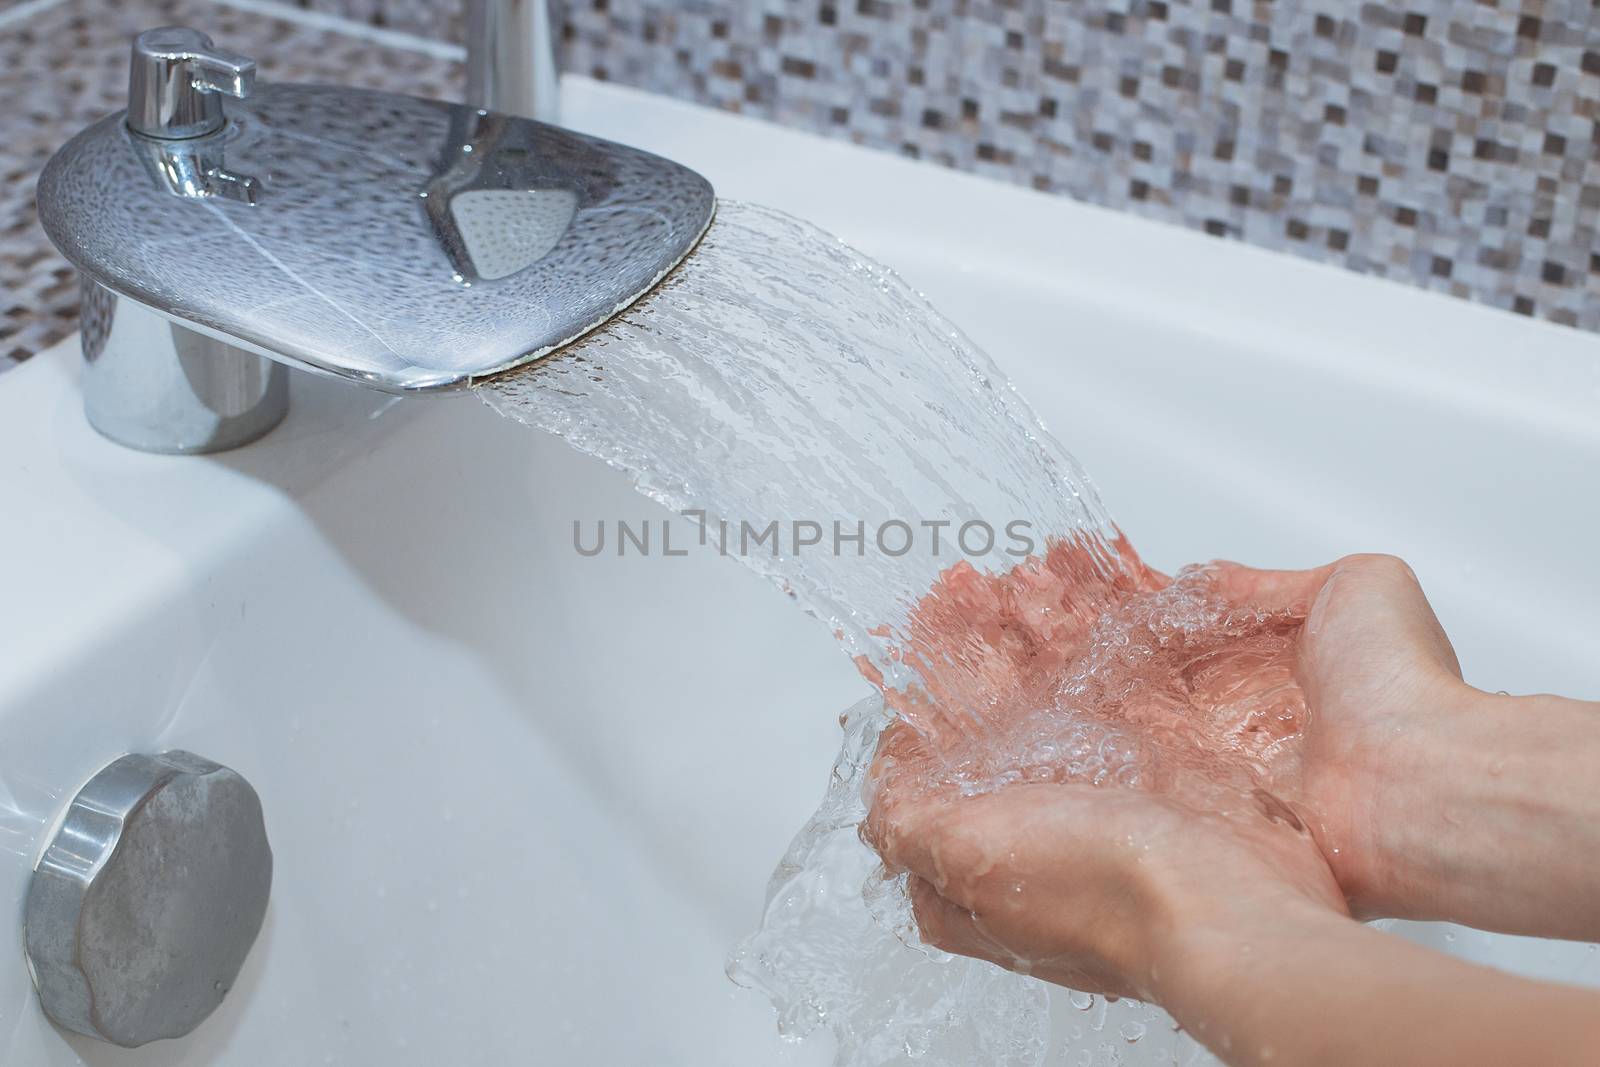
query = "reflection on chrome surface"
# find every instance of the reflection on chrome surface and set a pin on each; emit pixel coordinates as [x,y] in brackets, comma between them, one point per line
[498,205]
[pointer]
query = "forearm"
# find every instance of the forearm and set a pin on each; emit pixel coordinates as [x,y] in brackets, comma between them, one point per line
[1502,824]
[1315,989]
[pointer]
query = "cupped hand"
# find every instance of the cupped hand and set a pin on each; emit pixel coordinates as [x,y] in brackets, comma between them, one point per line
[1380,678]
[1088,887]
[1084,885]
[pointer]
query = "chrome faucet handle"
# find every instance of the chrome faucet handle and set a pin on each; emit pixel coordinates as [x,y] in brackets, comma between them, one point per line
[177,80]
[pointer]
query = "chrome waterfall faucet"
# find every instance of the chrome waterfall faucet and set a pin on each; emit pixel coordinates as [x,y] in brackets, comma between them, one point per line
[404,244]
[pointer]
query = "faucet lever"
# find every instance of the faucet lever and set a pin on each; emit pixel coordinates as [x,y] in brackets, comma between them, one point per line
[177,80]
[218,70]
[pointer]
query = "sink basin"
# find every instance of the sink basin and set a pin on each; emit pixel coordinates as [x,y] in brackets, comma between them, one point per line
[521,800]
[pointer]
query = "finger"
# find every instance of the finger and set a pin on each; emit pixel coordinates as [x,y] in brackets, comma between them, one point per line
[903,835]
[898,767]
[1146,576]
[1275,592]
[951,928]
[900,742]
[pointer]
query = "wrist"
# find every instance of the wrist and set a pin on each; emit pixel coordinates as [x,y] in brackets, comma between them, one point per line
[1466,802]
[1406,799]
[1204,954]
[1191,924]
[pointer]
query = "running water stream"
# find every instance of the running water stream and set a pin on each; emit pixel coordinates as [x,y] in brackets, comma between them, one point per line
[831,429]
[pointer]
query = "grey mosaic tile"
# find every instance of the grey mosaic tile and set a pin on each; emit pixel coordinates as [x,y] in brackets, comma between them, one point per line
[53,91]
[1446,144]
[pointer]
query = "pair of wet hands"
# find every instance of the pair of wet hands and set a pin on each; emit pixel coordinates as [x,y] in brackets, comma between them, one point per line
[1084,884]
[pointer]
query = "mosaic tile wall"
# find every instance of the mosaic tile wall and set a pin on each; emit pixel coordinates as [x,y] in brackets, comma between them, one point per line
[1450,144]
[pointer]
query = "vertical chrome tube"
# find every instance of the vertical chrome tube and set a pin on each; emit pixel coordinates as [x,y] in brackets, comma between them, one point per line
[148,382]
[513,57]
[151,384]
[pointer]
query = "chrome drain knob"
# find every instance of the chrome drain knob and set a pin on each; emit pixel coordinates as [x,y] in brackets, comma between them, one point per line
[143,908]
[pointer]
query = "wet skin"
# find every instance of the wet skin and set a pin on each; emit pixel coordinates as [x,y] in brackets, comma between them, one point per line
[1236,916]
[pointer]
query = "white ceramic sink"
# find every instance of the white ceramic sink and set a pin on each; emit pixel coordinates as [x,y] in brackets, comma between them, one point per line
[522,801]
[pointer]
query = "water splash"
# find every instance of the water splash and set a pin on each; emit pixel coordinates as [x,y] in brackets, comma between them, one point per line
[1173,690]
[780,384]
[778,376]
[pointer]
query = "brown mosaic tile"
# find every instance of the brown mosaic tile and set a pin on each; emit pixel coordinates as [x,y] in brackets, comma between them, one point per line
[53,91]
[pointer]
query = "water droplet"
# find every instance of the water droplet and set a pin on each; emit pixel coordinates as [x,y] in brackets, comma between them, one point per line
[1132,1032]
[1081,1001]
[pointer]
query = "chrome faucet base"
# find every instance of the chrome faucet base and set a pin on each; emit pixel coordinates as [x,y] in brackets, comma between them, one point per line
[151,384]
[148,382]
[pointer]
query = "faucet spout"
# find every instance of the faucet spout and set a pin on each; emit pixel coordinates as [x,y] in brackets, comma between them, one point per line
[400,244]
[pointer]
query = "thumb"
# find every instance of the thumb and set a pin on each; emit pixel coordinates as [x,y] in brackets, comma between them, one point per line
[1276,592]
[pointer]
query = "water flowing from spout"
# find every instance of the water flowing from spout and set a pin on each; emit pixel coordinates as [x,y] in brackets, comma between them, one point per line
[780,377]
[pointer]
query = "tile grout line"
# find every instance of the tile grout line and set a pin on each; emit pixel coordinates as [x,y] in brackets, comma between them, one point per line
[25,10]
[317,20]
